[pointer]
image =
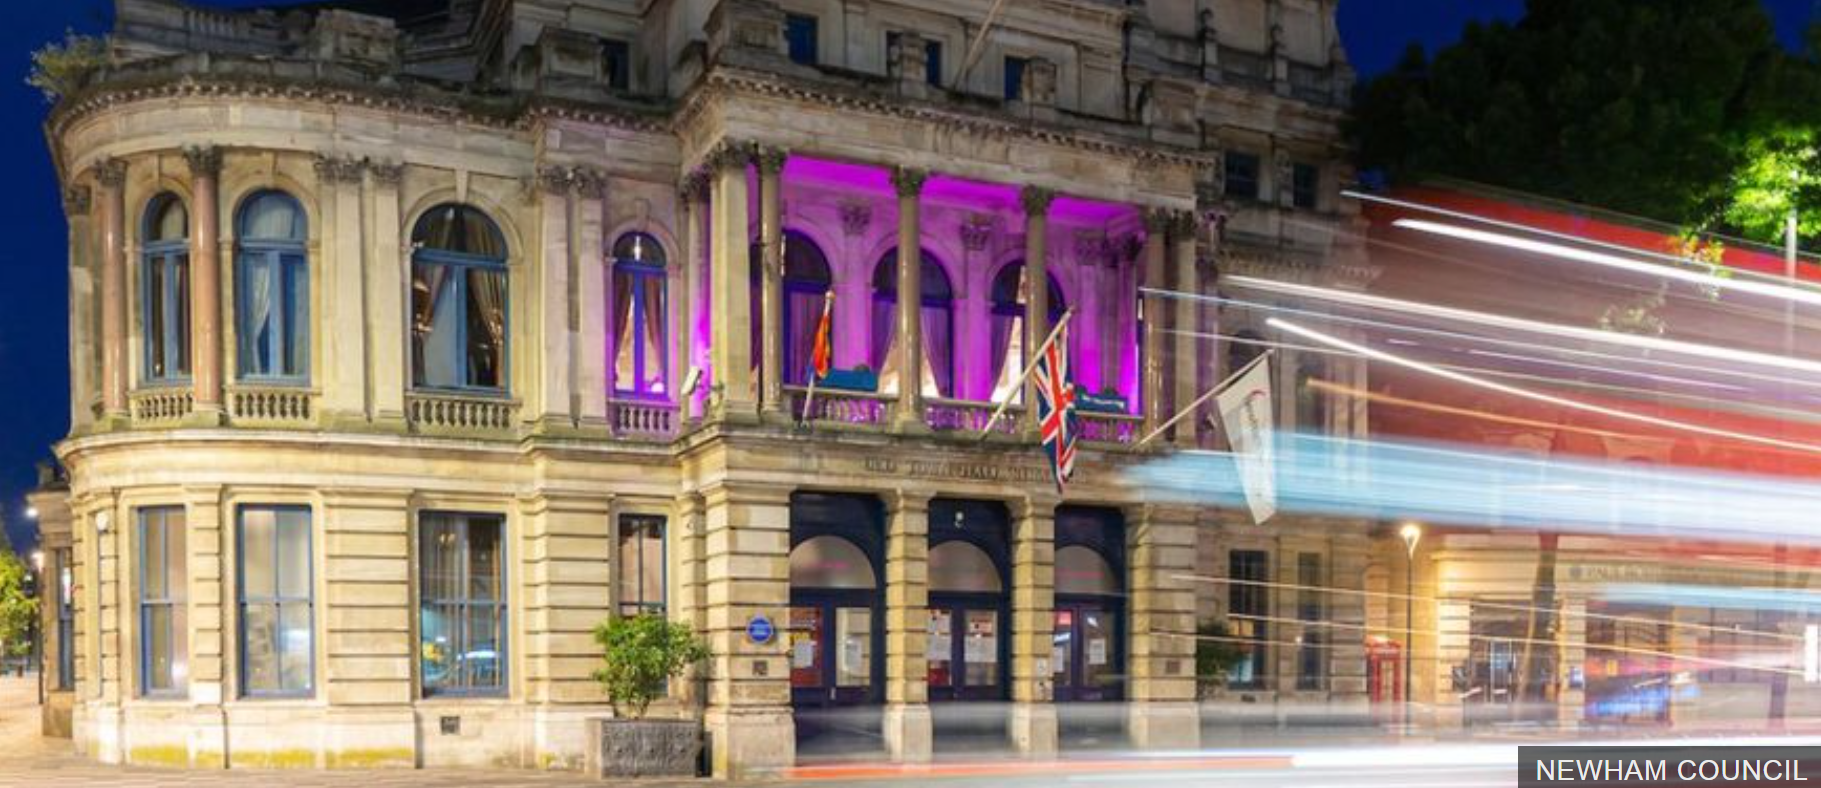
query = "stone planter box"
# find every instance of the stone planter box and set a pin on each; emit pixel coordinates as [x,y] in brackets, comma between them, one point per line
[643,748]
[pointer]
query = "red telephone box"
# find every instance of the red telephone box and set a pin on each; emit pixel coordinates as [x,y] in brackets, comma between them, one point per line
[1385,676]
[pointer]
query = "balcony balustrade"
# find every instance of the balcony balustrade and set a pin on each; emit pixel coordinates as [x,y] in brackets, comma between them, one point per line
[161,405]
[1111,428]
[643,419]
[842,408]
[948,415]
[271,406]
[455,414]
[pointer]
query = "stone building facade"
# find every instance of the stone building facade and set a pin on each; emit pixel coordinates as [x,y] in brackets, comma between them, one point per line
[409,345]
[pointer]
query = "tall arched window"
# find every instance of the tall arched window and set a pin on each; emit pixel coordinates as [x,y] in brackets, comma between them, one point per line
[806,282]
[458,301]
[272,288]
[165,289]
[1008,328]
[640,317]
[938,317]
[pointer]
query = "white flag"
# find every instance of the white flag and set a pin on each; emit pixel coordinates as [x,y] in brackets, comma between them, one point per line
[1245,413]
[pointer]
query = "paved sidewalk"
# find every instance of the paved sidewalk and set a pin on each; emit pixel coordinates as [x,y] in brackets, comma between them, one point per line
[28,759]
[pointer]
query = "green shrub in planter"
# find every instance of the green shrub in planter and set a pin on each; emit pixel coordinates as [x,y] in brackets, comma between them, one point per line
[641,654]
[1215,654]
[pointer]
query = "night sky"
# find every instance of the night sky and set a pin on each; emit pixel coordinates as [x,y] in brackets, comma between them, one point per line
[33,304]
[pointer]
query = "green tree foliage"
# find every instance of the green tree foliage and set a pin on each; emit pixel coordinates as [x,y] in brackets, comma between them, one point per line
[17,607]
[1642,106]
[641,655]
[58,69]
[1216,652]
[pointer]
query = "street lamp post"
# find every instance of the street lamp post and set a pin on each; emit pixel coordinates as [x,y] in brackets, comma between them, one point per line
[1411,533]
[37,642]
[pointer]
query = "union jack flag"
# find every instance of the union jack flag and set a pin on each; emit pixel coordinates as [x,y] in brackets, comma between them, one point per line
[1056,407]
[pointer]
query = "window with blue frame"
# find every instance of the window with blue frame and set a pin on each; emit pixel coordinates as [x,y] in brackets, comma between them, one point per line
[641,569]
[66,619]
[272,284]
[163,611]
[640,317]
[276,602]
[458,301]
[165,290]
[462,603]
[1014,77]
[800,37]
[807,278]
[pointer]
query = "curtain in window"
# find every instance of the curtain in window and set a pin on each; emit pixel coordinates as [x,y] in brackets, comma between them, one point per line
[804,308]
[885,328]
[432,327]
[651,301]
[1007,346]
[486,352]
[297,315]
[256,333]
[938,351]
[625,367]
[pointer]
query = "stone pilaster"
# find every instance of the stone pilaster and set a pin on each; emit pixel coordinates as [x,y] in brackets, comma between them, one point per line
[771,278]
[111,175]
[565,563]
[908,728]
[1155,377]
[1033,715]
[343,351]
[205,281]
[732,395]
[366,619]
[386,277]
[748,574]
[1162,713]
[908,183]
[210,584]
[1186,321]
[554,289]
[586,312]
[689,534]
[690,305]
[1036,202]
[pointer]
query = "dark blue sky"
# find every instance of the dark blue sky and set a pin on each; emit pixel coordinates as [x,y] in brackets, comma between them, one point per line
[34,333]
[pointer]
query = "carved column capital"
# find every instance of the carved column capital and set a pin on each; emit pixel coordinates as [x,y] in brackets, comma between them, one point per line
[204,160]
[1182,224]
[388,173]
[76,200]
[1157,220]
[552,180]
[1036,200]
[338,169]
[588,183]
[908,181]
[770,159]
[730,153]
[694,187]
[111,172]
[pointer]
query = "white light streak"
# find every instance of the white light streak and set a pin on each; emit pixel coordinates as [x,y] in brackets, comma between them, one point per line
[1586,407]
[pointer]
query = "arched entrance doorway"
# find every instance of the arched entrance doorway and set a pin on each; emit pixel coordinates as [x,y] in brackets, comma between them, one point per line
[1087,657]
[969,647]
[836,622]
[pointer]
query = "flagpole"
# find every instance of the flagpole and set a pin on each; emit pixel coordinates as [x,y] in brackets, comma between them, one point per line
[828,303]
[1000,411]
[1218,387]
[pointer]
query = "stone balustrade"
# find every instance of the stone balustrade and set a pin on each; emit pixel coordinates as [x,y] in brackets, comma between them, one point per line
[1114,428]
[644,419]
[271,405]
[456,413]
[855,408]
[947,415]
[161,405]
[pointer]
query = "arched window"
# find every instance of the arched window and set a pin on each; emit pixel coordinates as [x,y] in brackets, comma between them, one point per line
[165,289]
[458,301]
[938,317]
[806,282]
[272,288]
[830,562]
[1008,328]
[1081,570]
[640,317]
[956,566]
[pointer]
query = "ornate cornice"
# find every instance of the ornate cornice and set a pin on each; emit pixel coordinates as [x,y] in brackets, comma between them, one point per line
[908,181]
[204,160]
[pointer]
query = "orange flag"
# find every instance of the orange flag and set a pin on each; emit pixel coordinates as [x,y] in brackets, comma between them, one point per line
[823,353]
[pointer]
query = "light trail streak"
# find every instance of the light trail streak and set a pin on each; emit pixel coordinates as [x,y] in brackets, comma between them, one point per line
[1489,385]
[1528,326]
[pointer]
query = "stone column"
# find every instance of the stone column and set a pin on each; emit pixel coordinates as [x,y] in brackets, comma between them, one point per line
[1033,716]
[731,310]
[748,574]
[771,277]
[588,305]
[111,174]
[908,729]
[366,620]
[1186,323]
[692,204]
[205,281]
[387,276]
[909,185]
[1036,201]
[343,351]
[1162,713]
[554,289]
[1156,228]
[84,387]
